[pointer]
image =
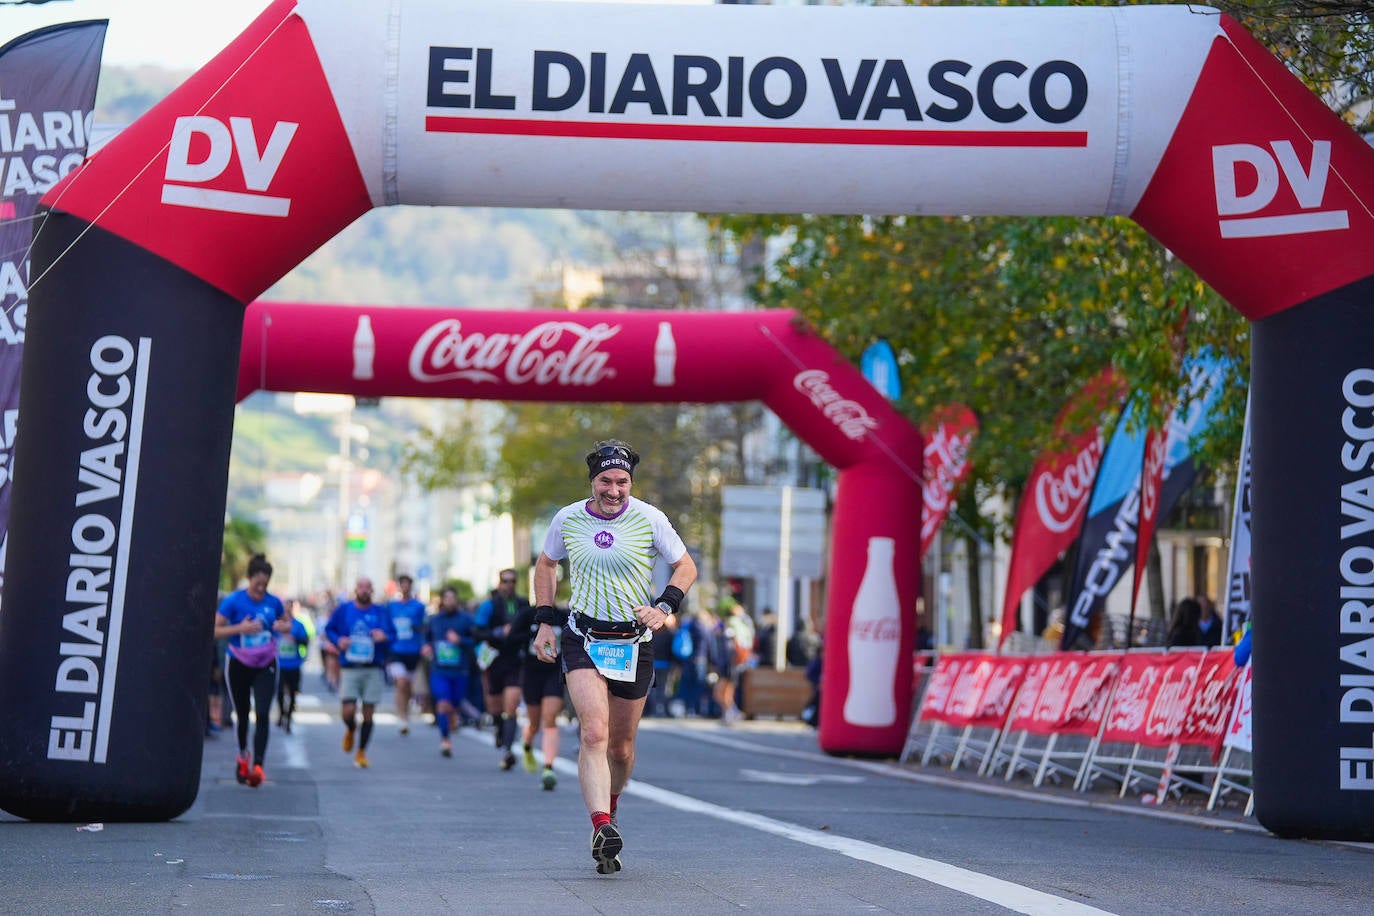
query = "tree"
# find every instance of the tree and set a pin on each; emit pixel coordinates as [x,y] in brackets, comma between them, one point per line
[242,539]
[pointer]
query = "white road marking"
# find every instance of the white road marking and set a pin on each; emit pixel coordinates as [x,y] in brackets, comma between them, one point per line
[797,779]
[1014,897]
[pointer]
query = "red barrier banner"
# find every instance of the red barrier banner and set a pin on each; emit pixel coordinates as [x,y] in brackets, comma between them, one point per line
[942,680]
[1074,695]
[1152,697]
[968,689]
[1214,698]
[1053,700]
[1023,708]
[1091,692]
[984,692]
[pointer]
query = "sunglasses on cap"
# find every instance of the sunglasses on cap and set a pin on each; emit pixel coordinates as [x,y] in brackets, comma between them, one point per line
[615,451]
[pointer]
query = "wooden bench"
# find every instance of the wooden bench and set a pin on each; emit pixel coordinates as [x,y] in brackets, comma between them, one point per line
[768,692]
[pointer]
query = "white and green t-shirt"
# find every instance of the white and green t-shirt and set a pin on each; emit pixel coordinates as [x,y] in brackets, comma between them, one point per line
[612,559]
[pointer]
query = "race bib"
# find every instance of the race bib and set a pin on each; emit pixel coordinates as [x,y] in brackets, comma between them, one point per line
[616,659]
[447,655]
[253,640]
[404,628]
[486,655]
[286,648]
[360,650]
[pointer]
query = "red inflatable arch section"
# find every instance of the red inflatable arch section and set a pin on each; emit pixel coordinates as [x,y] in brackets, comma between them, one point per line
[324,109]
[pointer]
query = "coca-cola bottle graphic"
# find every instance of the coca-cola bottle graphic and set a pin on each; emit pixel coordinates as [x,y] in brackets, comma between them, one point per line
[874,641]
[364,348]
[665,356]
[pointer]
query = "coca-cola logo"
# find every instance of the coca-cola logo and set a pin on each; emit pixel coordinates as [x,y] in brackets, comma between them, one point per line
[551,353]
[1154,467]
[1170,706]
[1061,494]
[946,462]
[883,629]
[848,415]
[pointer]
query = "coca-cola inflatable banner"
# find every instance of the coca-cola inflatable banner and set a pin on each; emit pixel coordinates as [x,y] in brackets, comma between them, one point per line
[324,109]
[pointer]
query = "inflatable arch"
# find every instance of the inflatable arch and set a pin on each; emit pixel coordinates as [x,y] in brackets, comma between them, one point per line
[324,109]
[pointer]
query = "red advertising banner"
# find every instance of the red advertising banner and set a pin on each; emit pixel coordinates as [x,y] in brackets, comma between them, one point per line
[1214,697]
[1074,695]
[1092,690]
[942,680]
[1152,697]
[949,438]
[1023,709]
[984,690]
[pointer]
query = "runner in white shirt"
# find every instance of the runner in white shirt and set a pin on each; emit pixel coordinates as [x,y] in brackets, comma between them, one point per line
[610,541]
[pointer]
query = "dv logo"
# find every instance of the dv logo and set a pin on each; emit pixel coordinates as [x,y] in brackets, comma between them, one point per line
[258,166]
[1308,186]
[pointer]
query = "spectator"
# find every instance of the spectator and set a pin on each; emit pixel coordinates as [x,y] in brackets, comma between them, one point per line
[1184,630]
[1209,623]
[765,643]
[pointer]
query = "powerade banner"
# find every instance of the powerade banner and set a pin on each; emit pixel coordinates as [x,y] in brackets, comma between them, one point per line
[47,97]
[1238,569]
[1110,536]
[1050,513]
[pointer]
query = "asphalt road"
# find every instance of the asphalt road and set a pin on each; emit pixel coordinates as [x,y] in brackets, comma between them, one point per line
[750,817]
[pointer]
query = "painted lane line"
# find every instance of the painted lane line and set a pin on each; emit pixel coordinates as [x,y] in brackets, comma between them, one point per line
[985,887]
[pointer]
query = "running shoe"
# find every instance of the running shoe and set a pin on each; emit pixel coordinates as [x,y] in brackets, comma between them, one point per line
[256,776]
[549,779]
[606,846]
[241,768]
[360,759]
[348,740]
[508,761]
[446,748]
[531,765]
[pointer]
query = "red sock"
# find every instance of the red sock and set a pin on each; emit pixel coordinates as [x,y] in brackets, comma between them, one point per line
[600,819]
[615,802]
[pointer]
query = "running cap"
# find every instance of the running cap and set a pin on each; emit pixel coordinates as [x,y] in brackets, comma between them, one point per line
[611,453]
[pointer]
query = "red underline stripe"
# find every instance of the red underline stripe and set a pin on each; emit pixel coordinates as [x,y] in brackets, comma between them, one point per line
[844,136]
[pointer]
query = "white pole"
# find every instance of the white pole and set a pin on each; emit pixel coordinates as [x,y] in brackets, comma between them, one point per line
[783,630]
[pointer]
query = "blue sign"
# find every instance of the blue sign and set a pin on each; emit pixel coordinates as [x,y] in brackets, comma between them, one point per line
[879,365]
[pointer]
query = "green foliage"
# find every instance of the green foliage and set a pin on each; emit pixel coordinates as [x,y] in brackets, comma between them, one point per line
[242,539]
[1008,316]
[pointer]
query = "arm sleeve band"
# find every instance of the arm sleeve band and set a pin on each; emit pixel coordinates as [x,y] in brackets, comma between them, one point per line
[545,613]
[672,596]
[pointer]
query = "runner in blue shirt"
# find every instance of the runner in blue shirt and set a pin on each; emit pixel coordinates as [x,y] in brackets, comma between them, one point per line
[408,620]
[358,632]
[252,620]
[448,644]
[292,649]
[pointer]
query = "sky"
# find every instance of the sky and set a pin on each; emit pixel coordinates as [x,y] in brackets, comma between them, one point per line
[177,34]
